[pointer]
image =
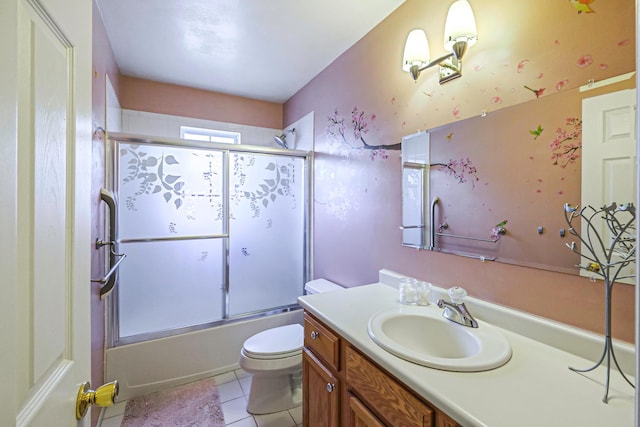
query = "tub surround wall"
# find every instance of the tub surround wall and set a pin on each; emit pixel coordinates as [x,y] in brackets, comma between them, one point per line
[364,98]
[168,126]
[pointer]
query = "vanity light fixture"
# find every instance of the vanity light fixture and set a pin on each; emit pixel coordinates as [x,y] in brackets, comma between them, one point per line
[460,33]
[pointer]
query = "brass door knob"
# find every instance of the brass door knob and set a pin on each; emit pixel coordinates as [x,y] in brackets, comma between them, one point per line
[105,395]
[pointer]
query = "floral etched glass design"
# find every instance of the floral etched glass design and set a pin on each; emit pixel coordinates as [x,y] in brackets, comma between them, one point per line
[179,210]
[267,223]
[169,191]
[170,217]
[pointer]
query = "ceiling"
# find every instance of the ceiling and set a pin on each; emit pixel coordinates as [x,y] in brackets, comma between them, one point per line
[259,49]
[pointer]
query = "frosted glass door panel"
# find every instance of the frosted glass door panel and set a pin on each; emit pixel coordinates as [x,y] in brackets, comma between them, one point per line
[170,285]
[413,206]
[169,191]
[267,246]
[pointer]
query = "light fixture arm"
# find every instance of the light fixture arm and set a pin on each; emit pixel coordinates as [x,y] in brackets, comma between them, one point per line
[459,49]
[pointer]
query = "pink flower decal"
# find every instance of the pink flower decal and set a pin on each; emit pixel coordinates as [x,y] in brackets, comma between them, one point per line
[603,66]
[521,65]
[561,84]
[540,75]
[584,61]
[456,112]
[624,42]
[496,100]
[478,67]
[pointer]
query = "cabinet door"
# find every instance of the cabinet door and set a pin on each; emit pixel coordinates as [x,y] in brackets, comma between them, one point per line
[390,400]
[360,416]
[321,393]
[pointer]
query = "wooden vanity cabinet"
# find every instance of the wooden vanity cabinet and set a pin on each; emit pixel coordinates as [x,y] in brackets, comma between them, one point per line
[321,382]
[342,387]
[321,393]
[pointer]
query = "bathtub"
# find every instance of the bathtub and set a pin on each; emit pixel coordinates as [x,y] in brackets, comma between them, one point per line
[153,365]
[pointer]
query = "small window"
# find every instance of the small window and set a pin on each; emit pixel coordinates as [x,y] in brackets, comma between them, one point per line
[209,135]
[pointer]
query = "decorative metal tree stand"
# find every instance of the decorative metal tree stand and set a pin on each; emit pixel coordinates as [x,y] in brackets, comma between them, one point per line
[605,260]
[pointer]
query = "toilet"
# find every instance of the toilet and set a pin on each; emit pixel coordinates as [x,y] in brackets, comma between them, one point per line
[274,359]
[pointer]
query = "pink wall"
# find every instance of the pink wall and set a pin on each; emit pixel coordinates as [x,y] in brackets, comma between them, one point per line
[162,98]
[357,190]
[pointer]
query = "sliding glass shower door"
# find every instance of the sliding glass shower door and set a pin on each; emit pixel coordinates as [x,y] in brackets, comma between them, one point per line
[267,226]
[210,234]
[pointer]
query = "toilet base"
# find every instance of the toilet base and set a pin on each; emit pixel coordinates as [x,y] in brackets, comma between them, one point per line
[274,393]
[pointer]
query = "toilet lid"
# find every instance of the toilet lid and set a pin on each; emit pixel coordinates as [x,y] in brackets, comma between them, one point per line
[275,343]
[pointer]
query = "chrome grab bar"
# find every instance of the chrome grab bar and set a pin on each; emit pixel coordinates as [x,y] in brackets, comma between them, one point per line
[408,227]
[111,271]
[433,233]
[115,259]
[432,223]
[455,236]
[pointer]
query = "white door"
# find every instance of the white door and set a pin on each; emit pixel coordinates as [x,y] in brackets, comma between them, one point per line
[45,161]
[609,153]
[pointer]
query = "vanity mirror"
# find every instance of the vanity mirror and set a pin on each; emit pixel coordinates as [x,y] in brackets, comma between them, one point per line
[497,183]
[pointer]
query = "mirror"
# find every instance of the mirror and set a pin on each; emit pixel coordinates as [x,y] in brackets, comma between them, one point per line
[509,171]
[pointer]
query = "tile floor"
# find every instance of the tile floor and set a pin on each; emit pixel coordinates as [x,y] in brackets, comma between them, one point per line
[233,388]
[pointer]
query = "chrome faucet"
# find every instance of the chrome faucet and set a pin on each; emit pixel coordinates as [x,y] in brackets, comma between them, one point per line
[455,310]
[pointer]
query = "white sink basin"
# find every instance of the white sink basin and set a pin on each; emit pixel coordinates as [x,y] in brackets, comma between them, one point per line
[421,335]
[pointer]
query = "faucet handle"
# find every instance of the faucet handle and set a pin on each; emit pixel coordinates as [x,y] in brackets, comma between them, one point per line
[457,294]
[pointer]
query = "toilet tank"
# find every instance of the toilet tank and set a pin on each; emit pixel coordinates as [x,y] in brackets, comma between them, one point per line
[321,285]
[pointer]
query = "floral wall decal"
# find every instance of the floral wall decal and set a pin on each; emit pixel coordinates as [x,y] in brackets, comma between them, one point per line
[461,170]
[567,142]
[355,134]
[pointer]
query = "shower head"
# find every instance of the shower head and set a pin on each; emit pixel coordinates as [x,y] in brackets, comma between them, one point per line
[281,140]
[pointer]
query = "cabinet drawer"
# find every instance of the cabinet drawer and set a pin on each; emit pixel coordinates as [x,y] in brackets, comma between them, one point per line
[360,415]
[324,343]
[388,398]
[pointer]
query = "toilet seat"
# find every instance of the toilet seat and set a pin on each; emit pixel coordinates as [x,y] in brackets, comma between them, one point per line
[276,343]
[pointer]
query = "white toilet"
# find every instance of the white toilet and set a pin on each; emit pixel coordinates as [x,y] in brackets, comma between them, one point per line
[274,358]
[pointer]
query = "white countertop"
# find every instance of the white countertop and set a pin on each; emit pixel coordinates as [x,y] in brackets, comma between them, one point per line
[535,388]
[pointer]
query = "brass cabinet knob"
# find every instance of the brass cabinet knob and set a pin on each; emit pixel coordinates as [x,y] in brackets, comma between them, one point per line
[330,387]
[104,396]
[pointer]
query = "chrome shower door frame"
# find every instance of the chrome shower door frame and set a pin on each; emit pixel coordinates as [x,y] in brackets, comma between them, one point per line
[112,177]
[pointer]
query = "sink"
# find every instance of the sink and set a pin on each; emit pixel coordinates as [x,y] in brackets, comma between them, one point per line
[421,335]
